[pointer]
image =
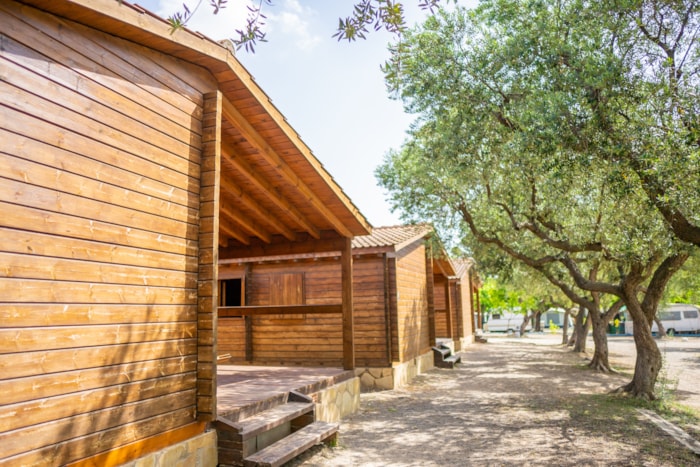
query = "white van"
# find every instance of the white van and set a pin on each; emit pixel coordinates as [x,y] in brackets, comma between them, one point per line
[679,318]
[507,322]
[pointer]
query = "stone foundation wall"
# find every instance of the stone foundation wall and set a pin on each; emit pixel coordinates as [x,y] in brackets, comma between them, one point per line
[338,401]
[466,342]
[199,451]
[381,379]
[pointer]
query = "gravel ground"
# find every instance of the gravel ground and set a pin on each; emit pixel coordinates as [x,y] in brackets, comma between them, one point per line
[681,356]
[526,401]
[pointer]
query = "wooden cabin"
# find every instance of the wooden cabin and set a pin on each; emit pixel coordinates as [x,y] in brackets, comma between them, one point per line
[395,308]
[132,160]
[456,293]
[394,270]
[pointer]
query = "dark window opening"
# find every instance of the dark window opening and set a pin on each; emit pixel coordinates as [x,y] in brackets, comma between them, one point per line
[231,292]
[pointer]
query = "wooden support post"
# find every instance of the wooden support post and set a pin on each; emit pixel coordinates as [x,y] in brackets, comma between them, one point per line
[348,309]
[479,318]
[207,301]
[248,279]
[387,309]
[448,309]
[459,306]
[430,284]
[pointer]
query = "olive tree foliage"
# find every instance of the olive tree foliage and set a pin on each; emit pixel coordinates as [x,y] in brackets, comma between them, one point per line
[684,286]
[366,15]
[537,133]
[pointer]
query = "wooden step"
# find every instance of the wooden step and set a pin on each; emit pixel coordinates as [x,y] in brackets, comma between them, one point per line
[271,418]
[449,361]
[291,446]
[444,351]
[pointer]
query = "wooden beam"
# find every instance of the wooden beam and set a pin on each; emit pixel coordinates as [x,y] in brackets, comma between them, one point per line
[387,308]
[304,244]
[247,294]
[270,191]
[242,197]
[430,285]
[347,306]
[459,306]
[295,257]
[237,311]
[270,155]
[207,290]
[479,316]
[245,222]
[230,230]
[448,307]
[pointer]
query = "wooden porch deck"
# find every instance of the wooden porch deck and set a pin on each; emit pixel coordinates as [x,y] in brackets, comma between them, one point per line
[244,390]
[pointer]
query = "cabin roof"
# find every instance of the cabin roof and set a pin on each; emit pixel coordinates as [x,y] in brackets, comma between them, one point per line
[392,238]
[396,238]
[462,265]
[272,186]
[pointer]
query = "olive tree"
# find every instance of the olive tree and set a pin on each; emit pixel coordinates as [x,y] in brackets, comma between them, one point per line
[522,138]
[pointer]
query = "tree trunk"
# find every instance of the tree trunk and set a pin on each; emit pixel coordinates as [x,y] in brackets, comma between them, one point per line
[565,328]
[538,321]
[599,362]
[581,328]
[649,361]
[648,364]
[662,330]
[523,326]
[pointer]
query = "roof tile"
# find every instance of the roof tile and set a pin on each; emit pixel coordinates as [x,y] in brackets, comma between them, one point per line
[392,236]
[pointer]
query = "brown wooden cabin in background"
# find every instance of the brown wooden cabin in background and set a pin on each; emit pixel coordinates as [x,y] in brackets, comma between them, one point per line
[456,290]
[131,157]
[401,260]
[394,272]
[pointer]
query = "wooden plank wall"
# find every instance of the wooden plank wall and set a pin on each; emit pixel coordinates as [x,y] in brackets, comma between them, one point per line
[231,332]
[466,299]
[457,309]
[298,339]
[371,346]
[412,307]
[207,290]
[100,144]
[314,340]
[440,307]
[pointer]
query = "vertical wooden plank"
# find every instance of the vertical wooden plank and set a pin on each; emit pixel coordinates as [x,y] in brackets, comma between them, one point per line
[347,295]
[448,309]
[248,279]
[209,258]
[459,306]
[387,308]
[431,293]
[394,308]
[479,318]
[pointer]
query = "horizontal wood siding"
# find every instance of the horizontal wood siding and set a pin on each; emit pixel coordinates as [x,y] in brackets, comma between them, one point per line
[231,339]
[412,303]
[100,146]
[370,315]
[440,308]
[456,311]
[309,339]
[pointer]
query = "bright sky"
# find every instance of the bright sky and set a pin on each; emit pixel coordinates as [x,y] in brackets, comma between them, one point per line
[332,93]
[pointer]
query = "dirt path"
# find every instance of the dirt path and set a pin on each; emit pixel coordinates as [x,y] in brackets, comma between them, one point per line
[681,364]
[511,403]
